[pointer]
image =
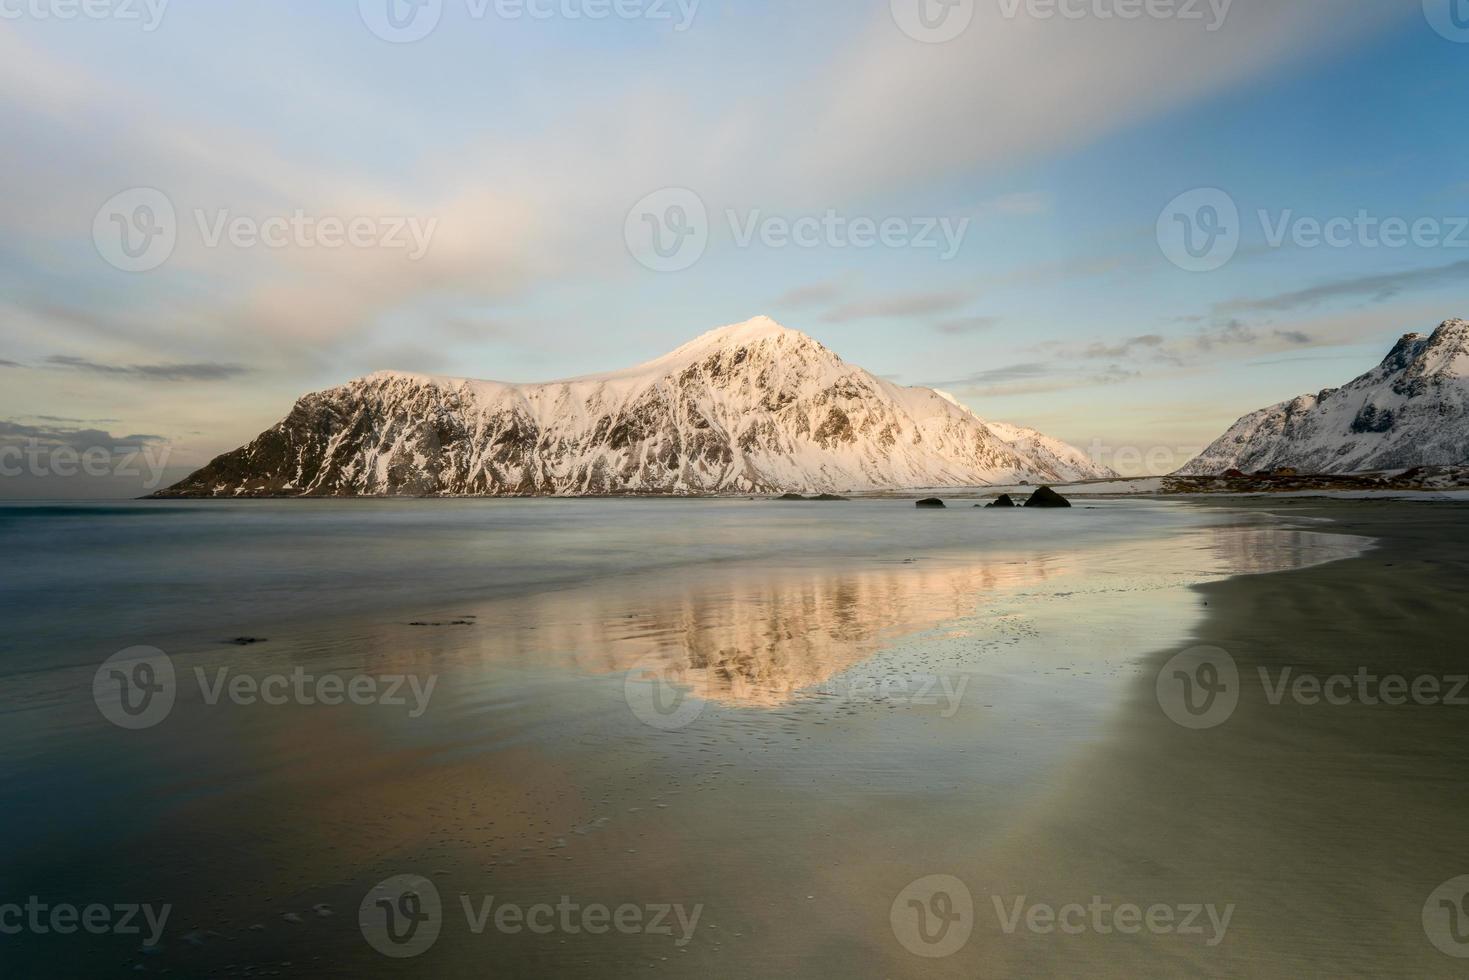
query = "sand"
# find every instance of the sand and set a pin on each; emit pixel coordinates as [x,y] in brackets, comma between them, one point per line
[1328,827]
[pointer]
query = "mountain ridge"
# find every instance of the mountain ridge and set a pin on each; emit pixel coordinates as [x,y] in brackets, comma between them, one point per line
[1411,410]
[752,407]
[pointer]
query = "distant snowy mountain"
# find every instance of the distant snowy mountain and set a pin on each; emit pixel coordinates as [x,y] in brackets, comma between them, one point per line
[749,408]
[1052,455]
[1411,410]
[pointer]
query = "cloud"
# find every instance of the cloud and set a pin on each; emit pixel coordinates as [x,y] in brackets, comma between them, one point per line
[1063,270]
[1114,374]
[151,372]
[957,326]
[1307,359]
[913,304]
[58,418]
[1033,378]
[1013,372]
[955,103]
[1208,336]
[1125,347]
[1225,333]
[1376,288]
[820,292]
[1294,336]
[16,433]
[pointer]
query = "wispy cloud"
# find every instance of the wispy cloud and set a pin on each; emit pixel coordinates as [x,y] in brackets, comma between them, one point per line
[1125,347]
[151,372]
[801,296]
[1376,288]
[1305,359]
[1068,269]
[1225,333]
[1034,377]
[1001,375]
[912,304]
[957,326]
[58,418]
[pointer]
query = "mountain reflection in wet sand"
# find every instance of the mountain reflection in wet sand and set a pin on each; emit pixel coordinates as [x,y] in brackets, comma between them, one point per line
[762,638]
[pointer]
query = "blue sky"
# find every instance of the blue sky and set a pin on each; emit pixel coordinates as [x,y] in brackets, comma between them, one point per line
[522,147]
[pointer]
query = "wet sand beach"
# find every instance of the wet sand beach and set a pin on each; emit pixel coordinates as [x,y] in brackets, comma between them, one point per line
[1328,826]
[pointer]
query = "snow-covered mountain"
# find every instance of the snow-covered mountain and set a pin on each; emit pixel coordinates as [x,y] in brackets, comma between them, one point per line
[749,408]
[1053,455]
[1411,410]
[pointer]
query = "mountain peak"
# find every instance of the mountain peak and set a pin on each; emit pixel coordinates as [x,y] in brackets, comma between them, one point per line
[750,331]
[756,332]
[1446,352]
[1451,333]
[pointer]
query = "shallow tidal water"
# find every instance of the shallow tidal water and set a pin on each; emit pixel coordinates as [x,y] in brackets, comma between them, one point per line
[764,719]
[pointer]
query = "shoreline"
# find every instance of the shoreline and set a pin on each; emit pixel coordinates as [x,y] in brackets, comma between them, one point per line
[1327,826]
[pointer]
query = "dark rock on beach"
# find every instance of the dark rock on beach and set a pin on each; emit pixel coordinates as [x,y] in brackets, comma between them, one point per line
[932,503]
[1003,501]
[1046,497]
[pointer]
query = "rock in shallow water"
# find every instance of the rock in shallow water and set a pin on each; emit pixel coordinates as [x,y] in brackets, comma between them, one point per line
[1046,497]
[932,503]
[1003,501]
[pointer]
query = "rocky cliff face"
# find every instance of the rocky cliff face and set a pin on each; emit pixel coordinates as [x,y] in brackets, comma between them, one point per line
[752,408]
[1411,410]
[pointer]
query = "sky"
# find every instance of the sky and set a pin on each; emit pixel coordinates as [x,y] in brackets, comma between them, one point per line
[1123,222]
